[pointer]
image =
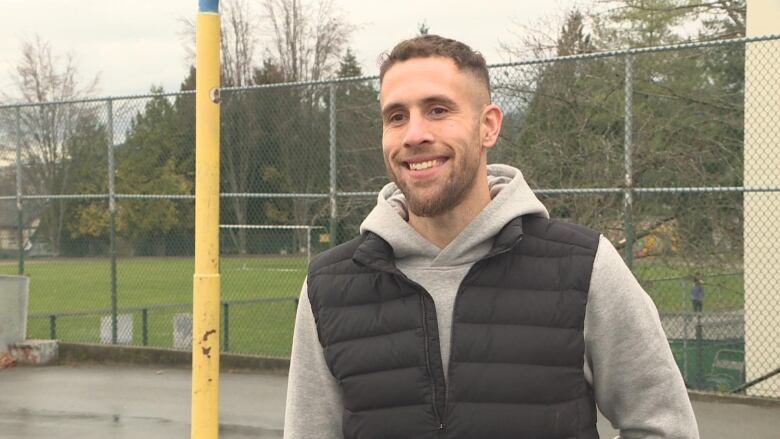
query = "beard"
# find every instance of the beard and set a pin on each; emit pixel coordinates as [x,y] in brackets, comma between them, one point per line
[448,195]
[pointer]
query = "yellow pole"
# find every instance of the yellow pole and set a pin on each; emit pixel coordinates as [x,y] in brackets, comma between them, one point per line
[205,307]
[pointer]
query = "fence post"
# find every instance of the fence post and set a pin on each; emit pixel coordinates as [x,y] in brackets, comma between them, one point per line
[686,317]
[19,207]
[333,207]
[53,326]
[699,353]
[226,326]
[628,194]
[145,326]
[308,245]
[112,214]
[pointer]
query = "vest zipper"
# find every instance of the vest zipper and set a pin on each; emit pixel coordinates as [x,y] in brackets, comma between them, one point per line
[428,363]
[470,273]
[424,292]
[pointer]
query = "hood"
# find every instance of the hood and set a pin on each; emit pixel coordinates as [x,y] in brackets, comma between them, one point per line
[510,197]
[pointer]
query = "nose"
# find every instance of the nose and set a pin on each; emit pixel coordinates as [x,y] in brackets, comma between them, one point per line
[418,131]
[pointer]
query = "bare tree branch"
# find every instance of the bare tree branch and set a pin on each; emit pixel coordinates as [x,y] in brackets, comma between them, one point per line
[40,76]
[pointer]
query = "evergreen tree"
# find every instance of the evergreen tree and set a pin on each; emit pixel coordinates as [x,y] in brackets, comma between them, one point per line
[569,132]
[687,113]
[147,163]
[86,221]
[360,166]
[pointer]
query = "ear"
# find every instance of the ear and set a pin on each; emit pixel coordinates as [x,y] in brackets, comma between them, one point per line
[490,125]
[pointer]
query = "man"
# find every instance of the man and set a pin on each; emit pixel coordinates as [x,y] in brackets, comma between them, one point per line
[461,310]
[697,294]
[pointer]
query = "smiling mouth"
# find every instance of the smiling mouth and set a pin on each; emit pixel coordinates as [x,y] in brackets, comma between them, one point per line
[421,166]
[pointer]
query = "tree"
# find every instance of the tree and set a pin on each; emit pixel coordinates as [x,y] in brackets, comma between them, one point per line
[148,163]
[565,132]
[87,221]
[39,77]
[694,99]
[239,134]
[294,149]
[360,165]
[239,31]
[718,18]
[259,142]
[240,129]
[306,47]
[238,43]
[566,122]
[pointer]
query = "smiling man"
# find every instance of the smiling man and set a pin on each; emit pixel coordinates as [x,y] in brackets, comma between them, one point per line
[462,310]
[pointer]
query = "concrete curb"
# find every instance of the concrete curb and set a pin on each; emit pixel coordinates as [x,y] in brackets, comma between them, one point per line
[99,353]
[726,398]
[35,352]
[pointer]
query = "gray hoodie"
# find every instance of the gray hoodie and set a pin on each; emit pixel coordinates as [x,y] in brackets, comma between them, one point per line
[627,357]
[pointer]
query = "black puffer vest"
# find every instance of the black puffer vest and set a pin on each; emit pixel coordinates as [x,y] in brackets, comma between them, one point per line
[516,365]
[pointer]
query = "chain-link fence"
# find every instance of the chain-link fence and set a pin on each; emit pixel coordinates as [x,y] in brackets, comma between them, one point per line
[671,152]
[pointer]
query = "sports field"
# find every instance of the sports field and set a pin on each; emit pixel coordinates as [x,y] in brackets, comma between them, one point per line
[669,282]
[159,284]
[164,287]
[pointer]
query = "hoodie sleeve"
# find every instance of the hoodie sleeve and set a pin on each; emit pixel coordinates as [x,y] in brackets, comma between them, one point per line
[314,405]
[637,384]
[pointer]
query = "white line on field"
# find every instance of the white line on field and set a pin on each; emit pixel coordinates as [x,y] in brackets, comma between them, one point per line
[282,270]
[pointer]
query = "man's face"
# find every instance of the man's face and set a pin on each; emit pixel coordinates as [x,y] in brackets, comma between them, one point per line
[431,113]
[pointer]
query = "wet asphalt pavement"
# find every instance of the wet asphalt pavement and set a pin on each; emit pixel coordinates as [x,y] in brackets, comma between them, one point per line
[122,402]
[127,402]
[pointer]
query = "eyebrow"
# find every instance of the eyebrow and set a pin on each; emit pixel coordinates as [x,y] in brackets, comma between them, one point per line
[429,100]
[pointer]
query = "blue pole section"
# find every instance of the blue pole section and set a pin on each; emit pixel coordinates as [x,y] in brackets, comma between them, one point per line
[208,6]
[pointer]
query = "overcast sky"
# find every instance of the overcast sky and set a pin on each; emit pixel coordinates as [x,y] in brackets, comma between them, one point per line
[134,44]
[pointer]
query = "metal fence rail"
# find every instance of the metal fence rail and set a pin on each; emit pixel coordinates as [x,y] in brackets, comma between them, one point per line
[649,146]
[159,321]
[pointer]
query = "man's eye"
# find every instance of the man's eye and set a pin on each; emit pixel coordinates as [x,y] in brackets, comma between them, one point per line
[438,111]
[395,118]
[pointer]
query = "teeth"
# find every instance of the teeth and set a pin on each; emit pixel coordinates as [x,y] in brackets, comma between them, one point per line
[419,166]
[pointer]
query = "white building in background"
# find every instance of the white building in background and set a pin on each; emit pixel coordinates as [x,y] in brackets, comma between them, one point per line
[762,209]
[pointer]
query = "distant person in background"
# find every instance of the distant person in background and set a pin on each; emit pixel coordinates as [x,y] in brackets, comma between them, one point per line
[697,294]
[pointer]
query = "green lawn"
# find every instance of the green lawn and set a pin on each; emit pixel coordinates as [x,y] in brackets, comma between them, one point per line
[83,284]
[668,282]
[68,285]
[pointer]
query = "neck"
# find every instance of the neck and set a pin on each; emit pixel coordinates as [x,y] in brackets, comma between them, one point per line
[442,229]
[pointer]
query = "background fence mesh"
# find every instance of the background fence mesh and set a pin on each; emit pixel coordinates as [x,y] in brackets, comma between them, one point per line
[647,146]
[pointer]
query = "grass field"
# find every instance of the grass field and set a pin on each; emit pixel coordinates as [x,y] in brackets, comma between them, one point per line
[82,284]
[69,285]
[669,283]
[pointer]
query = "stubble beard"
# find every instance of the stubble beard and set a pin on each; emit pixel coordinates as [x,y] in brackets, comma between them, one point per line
[448,196]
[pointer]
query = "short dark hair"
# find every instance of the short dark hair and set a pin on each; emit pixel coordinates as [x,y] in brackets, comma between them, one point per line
[425,46]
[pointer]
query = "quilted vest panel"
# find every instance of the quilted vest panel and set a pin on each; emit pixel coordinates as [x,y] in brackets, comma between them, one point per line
[516,365]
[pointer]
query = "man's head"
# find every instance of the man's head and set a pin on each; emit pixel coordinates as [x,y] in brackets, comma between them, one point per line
[427,46]
[438,122]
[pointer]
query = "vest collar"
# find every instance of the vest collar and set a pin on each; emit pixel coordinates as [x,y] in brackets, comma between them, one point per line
[508,237]
[376,253]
